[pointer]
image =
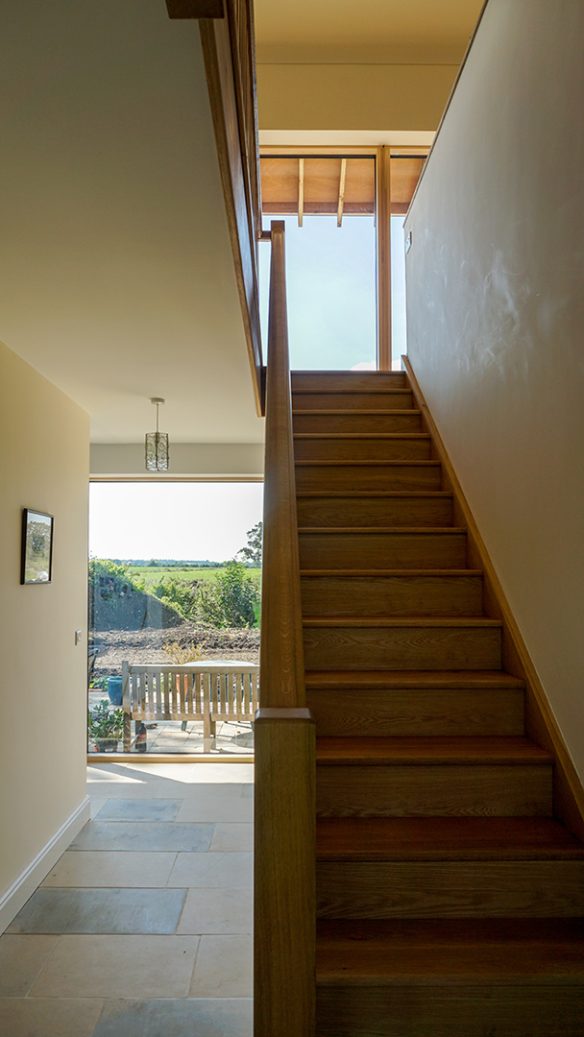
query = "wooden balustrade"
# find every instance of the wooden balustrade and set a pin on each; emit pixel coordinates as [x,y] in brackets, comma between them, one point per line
[284,731]
[227,38]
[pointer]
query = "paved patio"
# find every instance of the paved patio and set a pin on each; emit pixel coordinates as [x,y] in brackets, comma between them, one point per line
[143,927]
[166,736]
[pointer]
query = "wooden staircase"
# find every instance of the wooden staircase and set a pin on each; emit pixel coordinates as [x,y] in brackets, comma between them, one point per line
[449,894]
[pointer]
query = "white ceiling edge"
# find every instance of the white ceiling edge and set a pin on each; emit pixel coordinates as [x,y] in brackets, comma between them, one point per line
[347,138]
[187,460]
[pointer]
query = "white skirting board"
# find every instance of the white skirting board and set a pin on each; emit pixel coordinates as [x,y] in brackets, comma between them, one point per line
[24,886]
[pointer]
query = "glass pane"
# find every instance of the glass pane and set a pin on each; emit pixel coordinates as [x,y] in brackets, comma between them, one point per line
[331,291]
[399,345]
[174,581]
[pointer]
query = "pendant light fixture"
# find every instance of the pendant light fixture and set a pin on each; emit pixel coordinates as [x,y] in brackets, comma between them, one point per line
[156,444]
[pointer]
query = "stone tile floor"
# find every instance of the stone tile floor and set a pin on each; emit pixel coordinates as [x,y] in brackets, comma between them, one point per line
[143,927]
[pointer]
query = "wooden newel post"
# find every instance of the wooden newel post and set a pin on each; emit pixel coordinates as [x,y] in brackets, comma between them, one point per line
[284,874]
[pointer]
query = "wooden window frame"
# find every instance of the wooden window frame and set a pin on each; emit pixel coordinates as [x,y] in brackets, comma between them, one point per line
[382,155]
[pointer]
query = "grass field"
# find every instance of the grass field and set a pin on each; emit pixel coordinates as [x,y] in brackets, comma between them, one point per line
[152,574]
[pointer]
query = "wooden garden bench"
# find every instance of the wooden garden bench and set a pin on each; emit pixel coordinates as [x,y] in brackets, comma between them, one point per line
[207,692]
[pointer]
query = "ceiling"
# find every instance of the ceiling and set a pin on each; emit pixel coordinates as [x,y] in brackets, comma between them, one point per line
[429,31]
[116,273]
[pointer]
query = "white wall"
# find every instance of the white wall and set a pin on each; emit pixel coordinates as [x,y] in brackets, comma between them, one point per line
[44,465]
[496,320]
[188,460]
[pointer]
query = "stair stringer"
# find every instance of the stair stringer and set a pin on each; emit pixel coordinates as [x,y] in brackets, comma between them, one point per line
[540,723]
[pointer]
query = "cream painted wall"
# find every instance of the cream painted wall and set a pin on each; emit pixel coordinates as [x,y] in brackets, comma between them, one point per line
[352,96]
[496,320]
[188,460]
[43,464]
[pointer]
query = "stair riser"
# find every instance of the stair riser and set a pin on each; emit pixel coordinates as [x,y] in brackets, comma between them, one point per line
[358,422]
[417,712]
[328,449]
[437,1009]
[450,889]
[422,550]
[329,512]
[392,596]
[402,648]
[353,401]
[495,790]
[348,380]
[324,477]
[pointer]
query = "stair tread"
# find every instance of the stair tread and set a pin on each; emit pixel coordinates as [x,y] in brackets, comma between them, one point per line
[372,573]
[432,749]
[443,838]
[428,952]
[412,679]
[381,530]
[373,463]
[342,411]
[431,622]
[322,390]
[374,494]
[362,435]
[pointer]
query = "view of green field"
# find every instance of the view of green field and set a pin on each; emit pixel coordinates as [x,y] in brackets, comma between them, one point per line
[151,574]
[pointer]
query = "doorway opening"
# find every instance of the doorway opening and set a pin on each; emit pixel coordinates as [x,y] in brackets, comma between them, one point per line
[174,614]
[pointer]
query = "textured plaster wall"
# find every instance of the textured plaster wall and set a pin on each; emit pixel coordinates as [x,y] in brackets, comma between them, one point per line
[496,320]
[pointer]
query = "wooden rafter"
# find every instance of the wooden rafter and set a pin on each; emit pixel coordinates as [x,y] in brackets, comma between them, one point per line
[341,201]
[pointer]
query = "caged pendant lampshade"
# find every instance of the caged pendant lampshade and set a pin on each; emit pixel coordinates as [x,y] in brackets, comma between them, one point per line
[156,445]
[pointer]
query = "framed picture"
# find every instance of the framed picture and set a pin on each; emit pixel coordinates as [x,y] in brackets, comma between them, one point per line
[37,546]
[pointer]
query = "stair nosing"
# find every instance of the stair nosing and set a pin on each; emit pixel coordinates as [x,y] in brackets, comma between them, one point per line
[362,390]
[473,622]
[423,679]
[379,412]
[375,463]
[359,436]
[381,573]
[374,494]
[375,840]
[383,530]
[430,750]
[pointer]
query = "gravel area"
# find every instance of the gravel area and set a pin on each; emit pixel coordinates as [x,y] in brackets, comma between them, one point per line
[147,646]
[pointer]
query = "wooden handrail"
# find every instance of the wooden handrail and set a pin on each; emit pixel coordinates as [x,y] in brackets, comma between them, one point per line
[285,807]
[227,38]
[281,653]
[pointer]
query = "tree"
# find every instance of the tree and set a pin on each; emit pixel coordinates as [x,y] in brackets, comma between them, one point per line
[251,554]
[230,600]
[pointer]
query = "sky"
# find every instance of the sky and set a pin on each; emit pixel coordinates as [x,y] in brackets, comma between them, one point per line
[331,283]
[172,520]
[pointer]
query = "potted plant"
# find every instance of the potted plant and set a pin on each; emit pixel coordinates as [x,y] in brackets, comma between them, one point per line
[105,726]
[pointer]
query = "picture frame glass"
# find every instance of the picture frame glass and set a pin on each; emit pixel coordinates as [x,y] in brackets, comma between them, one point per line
[37,547]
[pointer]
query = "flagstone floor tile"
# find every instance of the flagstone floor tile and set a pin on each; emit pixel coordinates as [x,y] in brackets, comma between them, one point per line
[227,911]
[111,868]
[100,911]
[118,966]
[224,967]
[21,959]
[37,1017]
[188,1017]
[143,835]
[213,870]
